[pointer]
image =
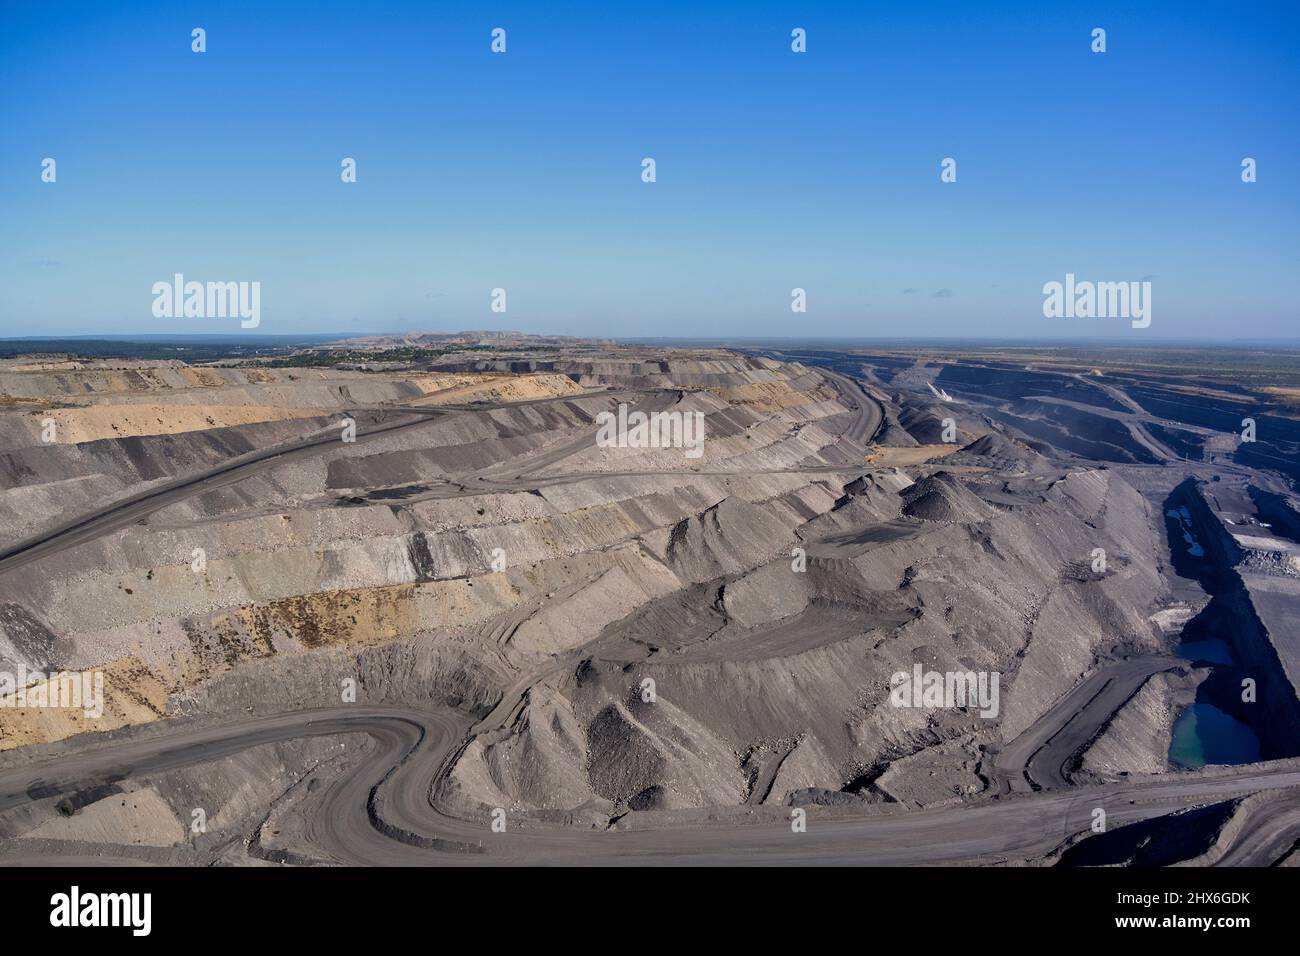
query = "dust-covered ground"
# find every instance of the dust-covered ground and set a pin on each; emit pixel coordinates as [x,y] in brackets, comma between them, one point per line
[577,601]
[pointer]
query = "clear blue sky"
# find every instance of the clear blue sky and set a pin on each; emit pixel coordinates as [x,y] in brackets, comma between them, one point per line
[775,170]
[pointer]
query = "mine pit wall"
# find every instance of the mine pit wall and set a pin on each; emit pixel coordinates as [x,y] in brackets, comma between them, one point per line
[1278,511]
[1252,646]
[417,671]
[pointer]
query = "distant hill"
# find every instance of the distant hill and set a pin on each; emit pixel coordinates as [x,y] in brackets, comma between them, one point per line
[500,339]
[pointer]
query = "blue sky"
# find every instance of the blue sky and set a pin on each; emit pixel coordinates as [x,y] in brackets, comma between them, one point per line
[775,170]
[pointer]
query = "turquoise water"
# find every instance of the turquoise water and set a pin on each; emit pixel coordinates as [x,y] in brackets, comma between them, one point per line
[1203,734]
[1211,649]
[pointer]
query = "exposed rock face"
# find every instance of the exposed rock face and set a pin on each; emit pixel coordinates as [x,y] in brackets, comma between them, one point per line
[733,535]
[808,656]
[1137,739]
[632,628]
[413,535]
[620,637]
[24,641]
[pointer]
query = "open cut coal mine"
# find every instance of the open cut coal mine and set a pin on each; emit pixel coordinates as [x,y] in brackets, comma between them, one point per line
[646,603]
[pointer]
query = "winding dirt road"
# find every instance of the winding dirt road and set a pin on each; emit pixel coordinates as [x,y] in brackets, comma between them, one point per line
[379,813]
[1039,758]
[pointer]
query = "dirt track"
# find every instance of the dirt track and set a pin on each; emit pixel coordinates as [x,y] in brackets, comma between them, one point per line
[389,792]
